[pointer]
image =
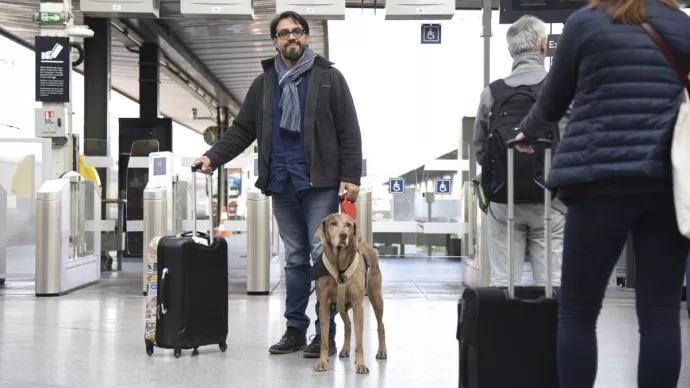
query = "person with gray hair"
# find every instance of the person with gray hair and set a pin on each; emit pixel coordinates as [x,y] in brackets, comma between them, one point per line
[503,105]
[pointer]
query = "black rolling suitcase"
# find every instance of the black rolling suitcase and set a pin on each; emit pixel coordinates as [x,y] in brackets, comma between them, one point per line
[507,335]
[187,299]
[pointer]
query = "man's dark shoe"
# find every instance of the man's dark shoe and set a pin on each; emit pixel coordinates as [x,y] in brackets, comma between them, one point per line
[292,341]
[314,348]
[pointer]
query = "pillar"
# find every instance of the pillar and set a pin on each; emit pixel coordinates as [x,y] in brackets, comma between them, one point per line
[149,81]
[97,94]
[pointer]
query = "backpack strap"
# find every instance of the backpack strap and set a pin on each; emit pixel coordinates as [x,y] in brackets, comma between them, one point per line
[499,88]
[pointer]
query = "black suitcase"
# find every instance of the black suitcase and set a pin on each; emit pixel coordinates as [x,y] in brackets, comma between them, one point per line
[507,335]
[187,300]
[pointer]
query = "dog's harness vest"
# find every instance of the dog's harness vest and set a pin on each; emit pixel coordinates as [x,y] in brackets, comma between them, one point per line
[343,278]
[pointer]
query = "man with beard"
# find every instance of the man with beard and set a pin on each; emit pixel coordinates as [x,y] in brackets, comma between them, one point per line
[310,152]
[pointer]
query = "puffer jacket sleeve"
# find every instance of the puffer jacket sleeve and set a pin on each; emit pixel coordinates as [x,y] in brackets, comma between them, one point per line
[560,85]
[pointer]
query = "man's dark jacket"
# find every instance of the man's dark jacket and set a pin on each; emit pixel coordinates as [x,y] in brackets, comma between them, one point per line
[332,139]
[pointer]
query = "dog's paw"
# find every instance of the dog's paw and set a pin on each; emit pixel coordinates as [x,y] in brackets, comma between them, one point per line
[362,369]
[381,355]
[321,366]
[345,353]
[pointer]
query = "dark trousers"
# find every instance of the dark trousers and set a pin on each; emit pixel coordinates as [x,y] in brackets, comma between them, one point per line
[596,229]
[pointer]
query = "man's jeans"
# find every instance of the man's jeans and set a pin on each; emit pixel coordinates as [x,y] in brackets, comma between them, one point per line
[299,215]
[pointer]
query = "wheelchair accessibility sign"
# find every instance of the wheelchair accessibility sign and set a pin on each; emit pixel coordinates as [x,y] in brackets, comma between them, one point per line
[431,34]
[396,185]
[442,186]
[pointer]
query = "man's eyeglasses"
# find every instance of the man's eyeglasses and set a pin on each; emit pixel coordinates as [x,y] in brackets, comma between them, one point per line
[297,33]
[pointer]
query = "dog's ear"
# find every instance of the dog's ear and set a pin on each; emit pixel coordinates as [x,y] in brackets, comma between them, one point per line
[321,234]
[357,235]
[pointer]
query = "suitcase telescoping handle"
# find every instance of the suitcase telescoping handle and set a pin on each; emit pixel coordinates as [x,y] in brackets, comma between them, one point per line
[548,288]
[195,168]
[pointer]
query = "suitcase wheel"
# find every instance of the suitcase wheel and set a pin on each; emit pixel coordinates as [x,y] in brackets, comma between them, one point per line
[195,352]
[177,352]
[223,346]
[149,348]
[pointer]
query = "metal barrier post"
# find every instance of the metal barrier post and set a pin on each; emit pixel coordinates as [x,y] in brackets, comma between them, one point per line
[483,235]
[3,235]
[155,222]
[258,244]
[365,216]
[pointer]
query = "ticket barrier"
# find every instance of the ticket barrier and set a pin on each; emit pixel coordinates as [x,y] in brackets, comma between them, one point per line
[164,203]
[68,235]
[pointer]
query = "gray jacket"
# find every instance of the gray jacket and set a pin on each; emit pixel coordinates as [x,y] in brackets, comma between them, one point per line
[528,69]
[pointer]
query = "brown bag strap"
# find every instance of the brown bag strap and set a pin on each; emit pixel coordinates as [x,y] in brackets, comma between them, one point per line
[669,55]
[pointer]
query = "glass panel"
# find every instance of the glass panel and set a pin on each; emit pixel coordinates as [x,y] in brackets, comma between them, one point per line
[394,218]
[202,194]
[100,147]
[424,219]
[21,174]
[89,202]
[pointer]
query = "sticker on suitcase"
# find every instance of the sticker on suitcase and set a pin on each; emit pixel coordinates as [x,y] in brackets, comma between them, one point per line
[152,291]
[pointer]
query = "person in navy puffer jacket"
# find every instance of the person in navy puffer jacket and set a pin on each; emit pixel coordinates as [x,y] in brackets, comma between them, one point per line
[612,168]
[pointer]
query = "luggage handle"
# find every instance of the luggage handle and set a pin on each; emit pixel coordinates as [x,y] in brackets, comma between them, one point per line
[190,233]
[161,293]
[196,167]
[548,287]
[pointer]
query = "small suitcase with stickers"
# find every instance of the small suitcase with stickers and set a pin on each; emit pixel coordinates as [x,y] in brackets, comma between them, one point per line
[187,283]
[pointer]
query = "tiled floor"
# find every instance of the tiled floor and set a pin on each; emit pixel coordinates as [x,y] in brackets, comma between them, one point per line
[94,338]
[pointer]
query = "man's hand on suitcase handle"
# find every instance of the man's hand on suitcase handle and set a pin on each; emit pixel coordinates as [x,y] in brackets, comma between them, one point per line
[202,164]
[524,144]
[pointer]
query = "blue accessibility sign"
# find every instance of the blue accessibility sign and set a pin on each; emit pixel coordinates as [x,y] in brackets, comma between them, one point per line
[431,34]
[396,185]
[442,186]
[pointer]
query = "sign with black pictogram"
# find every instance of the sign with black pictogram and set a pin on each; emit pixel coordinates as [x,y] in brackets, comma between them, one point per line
[52,69]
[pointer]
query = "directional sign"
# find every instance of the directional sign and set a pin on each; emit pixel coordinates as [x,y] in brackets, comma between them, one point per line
[442,186]
[431,34]
[48,17]
[396,185]
[552,44]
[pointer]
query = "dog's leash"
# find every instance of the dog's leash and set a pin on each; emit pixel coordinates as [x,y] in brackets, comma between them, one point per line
[347,207]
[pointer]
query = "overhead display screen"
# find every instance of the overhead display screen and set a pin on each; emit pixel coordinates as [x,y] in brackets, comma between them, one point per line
[549,11]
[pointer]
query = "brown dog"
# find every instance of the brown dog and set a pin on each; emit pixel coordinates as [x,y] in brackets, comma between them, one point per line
[353,272]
